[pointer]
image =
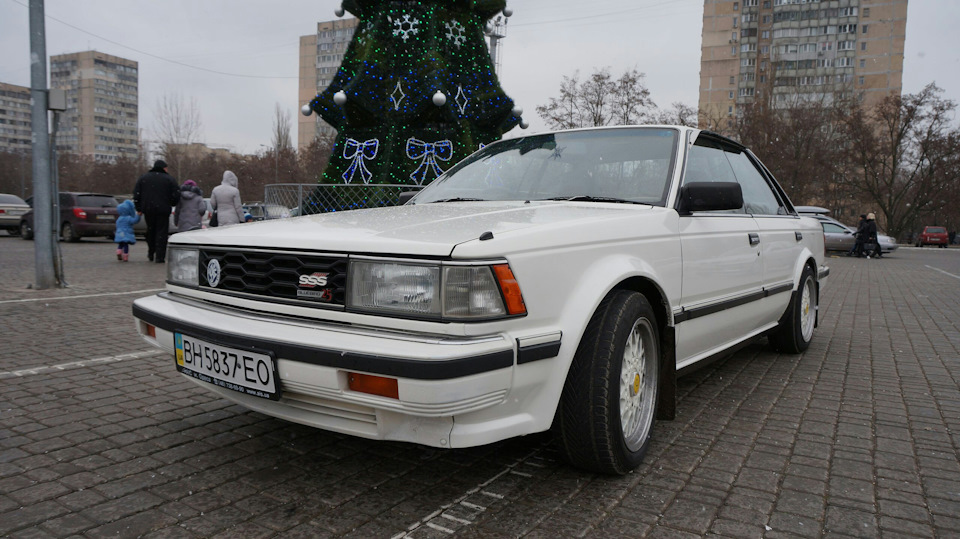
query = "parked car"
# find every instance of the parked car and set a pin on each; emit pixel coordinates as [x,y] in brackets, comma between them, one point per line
[81,215]
[261,211]
[12,209]
[840,237]
[933,235]
[568,293]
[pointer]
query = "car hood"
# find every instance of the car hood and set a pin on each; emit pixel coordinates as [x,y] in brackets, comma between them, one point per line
[423,229]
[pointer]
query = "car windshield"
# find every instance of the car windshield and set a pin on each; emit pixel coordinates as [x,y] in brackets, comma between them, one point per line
[96,201]
[11,199]
[616,165]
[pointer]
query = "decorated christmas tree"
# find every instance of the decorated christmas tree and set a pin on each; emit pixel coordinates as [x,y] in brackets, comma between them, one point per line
[416,91]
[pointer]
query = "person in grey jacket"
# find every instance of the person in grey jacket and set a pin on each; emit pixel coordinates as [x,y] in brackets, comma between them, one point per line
[190,208]
[225,200]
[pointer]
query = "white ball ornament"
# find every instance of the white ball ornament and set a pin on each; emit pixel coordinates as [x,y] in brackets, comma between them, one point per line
[487,28]
[517,111]
[439,99]
[339,12]
[507,12]
[340,98]
[306,110]
[524,124]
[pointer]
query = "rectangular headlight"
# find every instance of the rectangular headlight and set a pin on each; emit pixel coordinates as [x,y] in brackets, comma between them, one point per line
[183,266]
[395,288]
[471,292]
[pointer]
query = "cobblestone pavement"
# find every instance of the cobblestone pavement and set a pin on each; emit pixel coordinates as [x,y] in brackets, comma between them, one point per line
[859,436]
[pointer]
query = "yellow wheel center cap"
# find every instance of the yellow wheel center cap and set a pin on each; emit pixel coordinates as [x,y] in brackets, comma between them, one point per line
[636,384]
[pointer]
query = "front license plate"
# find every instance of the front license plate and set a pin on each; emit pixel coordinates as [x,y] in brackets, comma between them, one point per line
[246,371]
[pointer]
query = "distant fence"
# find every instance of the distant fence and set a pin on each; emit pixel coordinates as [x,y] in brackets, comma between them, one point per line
[306,198]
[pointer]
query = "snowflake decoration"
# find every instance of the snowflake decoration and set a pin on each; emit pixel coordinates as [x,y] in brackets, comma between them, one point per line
[406,27]
[365,33]
[461,100]
[397,96]
[456,33]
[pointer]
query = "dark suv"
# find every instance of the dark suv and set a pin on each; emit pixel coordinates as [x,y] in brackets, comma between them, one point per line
[81,214]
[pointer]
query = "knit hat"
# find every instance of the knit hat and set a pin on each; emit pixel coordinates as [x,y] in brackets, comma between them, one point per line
[190,182]
[159,165]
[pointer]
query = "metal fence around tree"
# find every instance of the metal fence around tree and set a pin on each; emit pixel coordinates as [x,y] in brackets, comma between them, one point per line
[308,198]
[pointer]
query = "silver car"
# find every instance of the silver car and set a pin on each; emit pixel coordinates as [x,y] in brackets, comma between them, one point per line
[838,236]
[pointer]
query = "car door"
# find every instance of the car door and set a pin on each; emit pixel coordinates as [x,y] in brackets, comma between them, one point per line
[836,237]
[721,269]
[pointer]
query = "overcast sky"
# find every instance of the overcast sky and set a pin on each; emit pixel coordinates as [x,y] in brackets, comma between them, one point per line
[239,58]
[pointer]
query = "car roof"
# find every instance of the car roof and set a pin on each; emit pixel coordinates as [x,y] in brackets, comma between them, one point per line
[812,209]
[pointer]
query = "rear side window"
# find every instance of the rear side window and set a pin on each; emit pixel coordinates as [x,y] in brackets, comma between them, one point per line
[96,201]
[11,199]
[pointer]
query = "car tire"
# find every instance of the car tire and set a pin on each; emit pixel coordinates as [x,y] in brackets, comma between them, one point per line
[798,323]
[68,234]
[608,406]
[25,232]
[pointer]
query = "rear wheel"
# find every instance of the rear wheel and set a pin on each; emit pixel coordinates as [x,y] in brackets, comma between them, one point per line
[67,233]
[609,400]
[797,325]
[25,231]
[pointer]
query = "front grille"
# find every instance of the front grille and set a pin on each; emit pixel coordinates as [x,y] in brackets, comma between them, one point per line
[277,275]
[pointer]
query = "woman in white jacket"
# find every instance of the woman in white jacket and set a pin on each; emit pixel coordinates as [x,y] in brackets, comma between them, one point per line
[225,200]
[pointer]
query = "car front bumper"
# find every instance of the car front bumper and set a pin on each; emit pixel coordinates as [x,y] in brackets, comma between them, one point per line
[453,391]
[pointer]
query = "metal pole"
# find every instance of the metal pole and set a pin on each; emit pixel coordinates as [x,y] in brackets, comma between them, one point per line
[276,165]
[42,196]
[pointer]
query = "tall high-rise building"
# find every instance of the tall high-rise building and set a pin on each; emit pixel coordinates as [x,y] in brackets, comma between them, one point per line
[799,49]
[320,57]
[15,114]
[102,104]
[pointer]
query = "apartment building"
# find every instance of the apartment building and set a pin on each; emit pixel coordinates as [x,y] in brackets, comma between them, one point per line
[102,115]
[15,114]
[817,50]
[320,57]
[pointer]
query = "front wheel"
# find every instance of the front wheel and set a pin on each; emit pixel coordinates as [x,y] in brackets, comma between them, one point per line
[609,400]
[797,325]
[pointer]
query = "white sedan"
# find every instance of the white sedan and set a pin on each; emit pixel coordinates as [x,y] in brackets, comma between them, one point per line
[560,279]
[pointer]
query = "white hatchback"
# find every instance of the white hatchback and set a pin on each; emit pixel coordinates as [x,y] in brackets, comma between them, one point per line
[561,279]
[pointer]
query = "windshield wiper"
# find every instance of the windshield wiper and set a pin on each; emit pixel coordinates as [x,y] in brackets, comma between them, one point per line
[588,198]
[458,199]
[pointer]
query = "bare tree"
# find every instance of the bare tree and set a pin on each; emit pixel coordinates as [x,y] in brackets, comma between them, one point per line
[903,155]
[281,130]
[177,125]
[599,100]
[678,114]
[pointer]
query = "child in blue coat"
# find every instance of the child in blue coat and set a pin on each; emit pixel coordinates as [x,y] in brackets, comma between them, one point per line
[124,233]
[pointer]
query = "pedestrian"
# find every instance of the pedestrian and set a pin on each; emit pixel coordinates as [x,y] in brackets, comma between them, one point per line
[225,199]
[857,248]
[190,207]
[155,195]
[123,234]
[870,230]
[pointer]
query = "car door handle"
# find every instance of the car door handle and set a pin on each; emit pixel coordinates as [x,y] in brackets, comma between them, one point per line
[799,235]
[754,238]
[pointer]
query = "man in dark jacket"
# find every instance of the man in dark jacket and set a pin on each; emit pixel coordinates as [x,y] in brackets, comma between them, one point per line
[155,194]
[860,237]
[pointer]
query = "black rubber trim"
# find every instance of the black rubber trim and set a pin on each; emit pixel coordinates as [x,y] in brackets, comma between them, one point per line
[690,314]
[824,271]
[536,352]
[375,364]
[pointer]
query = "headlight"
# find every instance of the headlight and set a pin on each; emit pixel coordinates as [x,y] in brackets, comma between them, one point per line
[396,288]
[450,292]
[183,266]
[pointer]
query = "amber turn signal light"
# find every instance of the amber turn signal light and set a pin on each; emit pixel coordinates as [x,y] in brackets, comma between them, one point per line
[151,331]
[510,288]
[374,385]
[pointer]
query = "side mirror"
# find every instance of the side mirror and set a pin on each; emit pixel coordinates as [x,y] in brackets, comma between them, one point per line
[406,196]
[709,196]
